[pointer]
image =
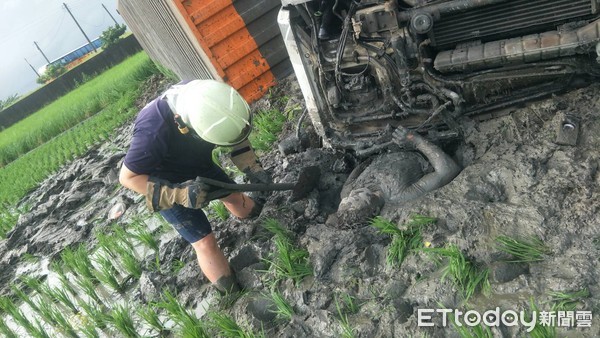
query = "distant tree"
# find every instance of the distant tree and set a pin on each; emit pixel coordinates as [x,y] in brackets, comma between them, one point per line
[8,101]
[52,71]
[111,35]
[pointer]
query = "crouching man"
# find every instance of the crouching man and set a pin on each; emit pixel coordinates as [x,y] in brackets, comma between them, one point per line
[172,144]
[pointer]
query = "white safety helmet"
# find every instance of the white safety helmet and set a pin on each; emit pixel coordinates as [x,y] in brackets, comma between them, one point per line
[215,111]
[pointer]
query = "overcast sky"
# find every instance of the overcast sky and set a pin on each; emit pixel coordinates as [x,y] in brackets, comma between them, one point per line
[47,22]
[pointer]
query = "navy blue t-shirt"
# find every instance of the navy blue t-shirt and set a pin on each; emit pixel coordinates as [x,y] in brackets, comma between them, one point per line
[159,149]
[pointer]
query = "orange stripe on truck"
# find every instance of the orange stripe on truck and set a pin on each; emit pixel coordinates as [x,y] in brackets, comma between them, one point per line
[223,35]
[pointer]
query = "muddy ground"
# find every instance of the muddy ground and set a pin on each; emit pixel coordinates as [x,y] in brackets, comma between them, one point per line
[516,181]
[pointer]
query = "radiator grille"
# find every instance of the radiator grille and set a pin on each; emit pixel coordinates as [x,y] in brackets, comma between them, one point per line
[512,18]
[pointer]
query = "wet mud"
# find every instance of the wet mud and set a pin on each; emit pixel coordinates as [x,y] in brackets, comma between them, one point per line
[516,181]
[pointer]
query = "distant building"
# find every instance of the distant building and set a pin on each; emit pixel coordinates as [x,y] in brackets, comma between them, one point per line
[70,59]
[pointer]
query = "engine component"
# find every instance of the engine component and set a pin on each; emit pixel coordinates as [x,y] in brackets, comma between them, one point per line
[510,18]
[422,64]
[531,48]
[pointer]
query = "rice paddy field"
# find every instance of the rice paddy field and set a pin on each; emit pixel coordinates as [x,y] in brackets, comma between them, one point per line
[40,144]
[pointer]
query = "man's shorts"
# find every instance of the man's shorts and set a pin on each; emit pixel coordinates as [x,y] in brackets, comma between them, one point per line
[192,224]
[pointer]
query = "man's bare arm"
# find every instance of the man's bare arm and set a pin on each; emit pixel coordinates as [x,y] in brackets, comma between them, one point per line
[133,181]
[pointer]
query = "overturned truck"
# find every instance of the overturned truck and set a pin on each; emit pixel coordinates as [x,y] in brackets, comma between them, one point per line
[366,67]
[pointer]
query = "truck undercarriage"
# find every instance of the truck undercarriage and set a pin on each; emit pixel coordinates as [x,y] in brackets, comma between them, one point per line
[366,67]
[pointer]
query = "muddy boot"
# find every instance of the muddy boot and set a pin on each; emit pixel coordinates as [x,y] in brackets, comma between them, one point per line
[229,289]
[258,206]
[227,285]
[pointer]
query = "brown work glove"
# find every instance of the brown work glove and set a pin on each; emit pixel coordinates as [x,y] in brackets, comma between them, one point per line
[162,194]
[245,159]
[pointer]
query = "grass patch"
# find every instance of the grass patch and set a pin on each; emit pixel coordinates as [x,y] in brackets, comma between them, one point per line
[78,261]
[67,111]
[220,210]
[539,330]
[284,310]
[273,226]
[267,125]
[123,321]
[287,261]
[225,326]
[464,274]
[404,241]
[20,176]
[477,331]
[189,325]
[567,301]
[95,314]
[149,315]
[527,250]
[345,307]
[107,274]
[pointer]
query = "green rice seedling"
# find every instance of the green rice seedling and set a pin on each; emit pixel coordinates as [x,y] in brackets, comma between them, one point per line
[220,210]
[289,262]
[45,311]
[122,237]
[107,273]
[57,295]
[145,237]
[33,283]
[23,297]
[177,265]
[123,321]
[464,274]
[70,109]
[7,305]
[88,288]
[148,314]
[21,175]
[267,127]
[348,303]
[284,310]
[142,234]
[346,330]
[6,331]
[478,331]
[56,318]
[225,326]
[95,314]
[88,329]
[404,241]
[129,262]
[274,226]
[567,301]
[78,261]
[40,332]
[29,258]
[539,330]
[527,250]
[189,325]
[106,243]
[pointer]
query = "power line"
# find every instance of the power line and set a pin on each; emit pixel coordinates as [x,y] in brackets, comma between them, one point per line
[106,9]
[77,23]
[44,55]
[35,71]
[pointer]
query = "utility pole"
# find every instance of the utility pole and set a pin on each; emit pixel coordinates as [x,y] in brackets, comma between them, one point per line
[106,9]
[38,47]
[81,29]
[35,71]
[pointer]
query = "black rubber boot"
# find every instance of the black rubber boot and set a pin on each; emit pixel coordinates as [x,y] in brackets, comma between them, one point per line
[227,285]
